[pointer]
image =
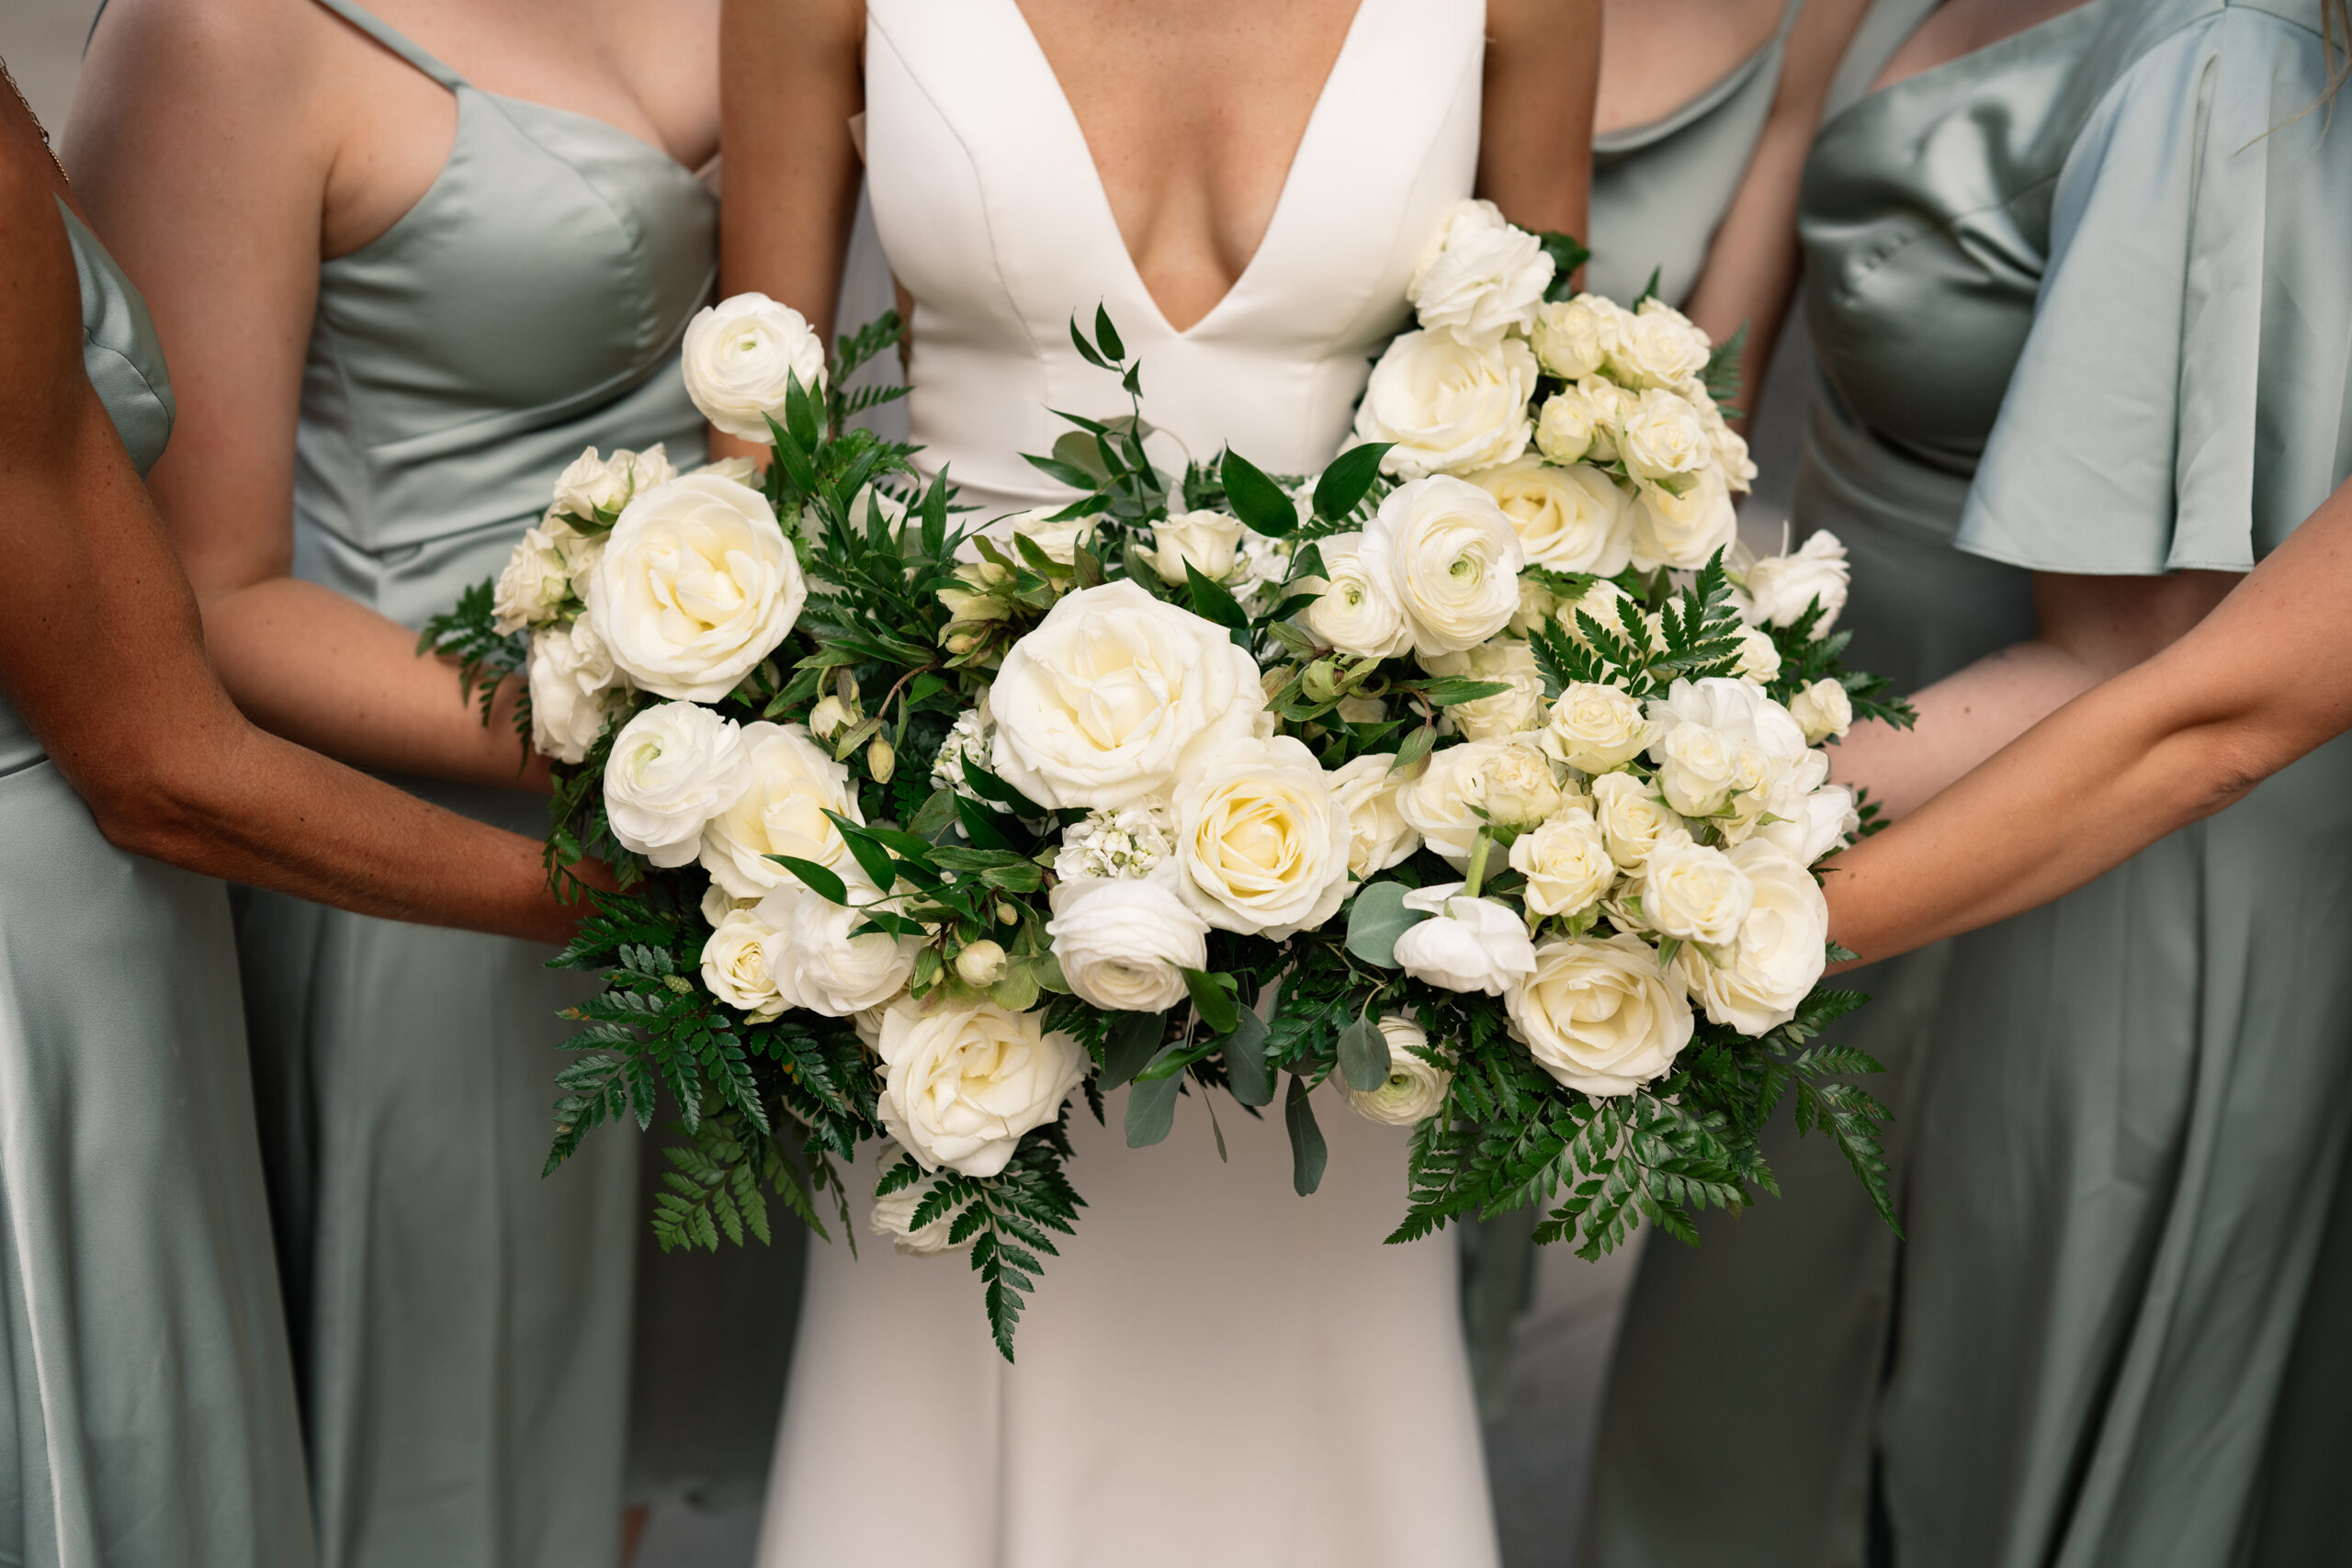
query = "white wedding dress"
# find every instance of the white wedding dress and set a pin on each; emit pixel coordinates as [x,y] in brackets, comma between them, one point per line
[1214,1371]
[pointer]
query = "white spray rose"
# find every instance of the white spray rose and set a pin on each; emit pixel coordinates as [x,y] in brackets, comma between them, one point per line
[1783,587]
[793,782]
[742,471]
[1825,821]
[1824,710]
[1261,838]
[1665,437]
[1572,337]
[1512,781]
[894,1214]
[1124,943]
[1607,604]
[672,768]
[1467,944]
[1600,1016]
[1058,538]
[1566,863]
[1632,816]
[597,490]
[1781,952]
[717,904]
[1684,531]
[1596,728]
[573,681]
[1379,837]
[1578,424]
[535,582]
[1480,277]
[1764,748]
[1569,519]
[1537,604]
[1357,610]
[1505,714]
[1453,560]
[1208,542]
[1759,658]
[1102,704]
[696,585]
[967,1079]
[1694,893]
[1657,347]
[738,964]
[741,355]
[1698,768]
[1414,1089]
[824,967]
[1448,406]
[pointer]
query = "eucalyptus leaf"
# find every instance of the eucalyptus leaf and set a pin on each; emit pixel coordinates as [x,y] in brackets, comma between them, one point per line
[1215,1005]
[1364,1049]
[1245,1062]
[1308,1153]
[1151,1110]
[1134,1040]
[1375,923]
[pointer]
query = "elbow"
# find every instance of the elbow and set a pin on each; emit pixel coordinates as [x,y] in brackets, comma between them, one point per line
[161,802]
[2226,764]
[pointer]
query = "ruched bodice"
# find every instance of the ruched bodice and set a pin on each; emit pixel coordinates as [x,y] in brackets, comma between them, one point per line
[987,202]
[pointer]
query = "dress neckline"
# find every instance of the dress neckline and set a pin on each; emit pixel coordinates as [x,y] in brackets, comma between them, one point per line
[1989,55]
[1107,219]
[1631,138]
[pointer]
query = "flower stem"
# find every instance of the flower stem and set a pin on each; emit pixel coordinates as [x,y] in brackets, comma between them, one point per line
[1477,874]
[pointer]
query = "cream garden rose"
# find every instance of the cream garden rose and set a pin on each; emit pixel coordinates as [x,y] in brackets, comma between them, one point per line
[1379,837]
[1756,983]
[1567,519]
[1125,943]
[793,782]
[1595,729]
[1599,1015]
[740,356]
[1683,530]
[572,683]
[966,1079]
[1481,277]
[1113,695]
[1415,1088]
[1510,781]
[1466,944]
[738,964]
[1356,609]
[1261,838]
[1453,560]
[825,967]
[672,768]
[1450,407]
[1566,863]
[696,585]
[1208,542]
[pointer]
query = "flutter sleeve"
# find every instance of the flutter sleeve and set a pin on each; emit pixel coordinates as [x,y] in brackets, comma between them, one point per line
[2182,399]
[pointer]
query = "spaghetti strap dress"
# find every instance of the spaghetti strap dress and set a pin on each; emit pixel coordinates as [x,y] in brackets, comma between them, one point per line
[149,1417]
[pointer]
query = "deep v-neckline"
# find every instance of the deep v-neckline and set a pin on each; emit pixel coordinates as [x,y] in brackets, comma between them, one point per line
[1107,219]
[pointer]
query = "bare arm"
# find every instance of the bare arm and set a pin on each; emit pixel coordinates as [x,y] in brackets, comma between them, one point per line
[1543,74]
[790,79]
[2266,677]
[101,652]
[204,143]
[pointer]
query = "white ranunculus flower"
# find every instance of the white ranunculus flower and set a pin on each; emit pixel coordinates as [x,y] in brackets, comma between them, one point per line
[1825,822]
[1453,559]
[1568,519]
[573,681]
[1379,837]
[1780,952]
[1512,781]
[738,964]
[1566,863]
[535,582]
[1450,407]
[1480,277]
[1505,714]
[966,1079]
[1596,728]
[1572,337]
[1694,893]
[1466,944]
[1665,437]
[1599,1014]
[824,967]
[1357,610]
[1261,838]
[1759,658]
[1657,347]
[1113,696]
[741,355]
[672,768]
[1783,587]
[894,1214]
[595,489]
[1632,816]
[793,783]
[1208,542]
[1823,710]
[1125,943]
[696,585]
[1414,1090]
[1684,531]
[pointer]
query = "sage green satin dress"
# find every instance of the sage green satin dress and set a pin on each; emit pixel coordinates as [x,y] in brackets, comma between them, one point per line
[2082,304]
[150,1420]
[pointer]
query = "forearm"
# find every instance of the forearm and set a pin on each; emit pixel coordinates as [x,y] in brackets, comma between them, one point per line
[1963,719]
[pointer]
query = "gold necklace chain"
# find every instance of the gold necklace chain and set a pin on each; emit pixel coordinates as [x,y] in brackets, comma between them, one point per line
[7,76]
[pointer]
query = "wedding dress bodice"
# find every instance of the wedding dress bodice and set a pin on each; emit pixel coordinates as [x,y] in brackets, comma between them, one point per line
[987,200]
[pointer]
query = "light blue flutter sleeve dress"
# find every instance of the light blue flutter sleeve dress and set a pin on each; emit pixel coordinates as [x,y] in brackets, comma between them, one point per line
[2083,302]
[150,1418]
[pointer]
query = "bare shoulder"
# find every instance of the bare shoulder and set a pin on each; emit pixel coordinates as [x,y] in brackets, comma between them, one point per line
[204,45]
[41,299]
[1544,24]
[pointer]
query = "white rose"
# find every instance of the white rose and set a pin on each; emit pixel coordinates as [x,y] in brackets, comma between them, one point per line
[534,583]
[1665,436]
[1123,942]
[1766,748]
[967,1079]
[1596,728]
[1058,539]
[1569,519]
[717,904]
[1783,587]
[1823,710]
[1657,347]
[1356,609]
[1261,838]
[1684,531]
[1826,821]
[741,354]
[1566,863]
[742,471]
[595,489]
[738,964]
[1698,768]
[1510,781]
[894,1214]
[1467,944]
[1606,603]
[1578,424]
[1598,1015]
[1379,837]
[1537,604]
[571,680]
[1481,277]
[1102,704]
[792,783]
[1759,657]
[1506,713]
[1694,893]
[1453,560]
[1448,406]
[824,967]
[672,768]
[697,586]
[1780,952]
[1415,1088]
[1572,337]
[1208,542]
[1632,816]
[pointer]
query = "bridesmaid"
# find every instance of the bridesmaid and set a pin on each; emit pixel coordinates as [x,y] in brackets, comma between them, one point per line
[400,302]
[150,1413]
[2077,286]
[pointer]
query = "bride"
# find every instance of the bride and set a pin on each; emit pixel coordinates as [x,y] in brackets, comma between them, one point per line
[1214,1370]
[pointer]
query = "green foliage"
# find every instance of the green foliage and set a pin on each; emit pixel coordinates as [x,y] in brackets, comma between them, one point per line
[485,657]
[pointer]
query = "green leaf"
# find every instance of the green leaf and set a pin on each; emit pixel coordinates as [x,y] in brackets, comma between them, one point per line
[1133,1041]
[1151,1110]
[1567,253]
[1344,483]
[1212,603]
[1308,1153]
[1649,290]
[1364,1049]
[793,457]
[1416,747]
[871,857]
[1086,350]
[1215,1005]
[1245,1062]
[1060,472]
[820,881]
[800,414]
[1450,690]
[1108,335]
[1258,501]
[1375,923]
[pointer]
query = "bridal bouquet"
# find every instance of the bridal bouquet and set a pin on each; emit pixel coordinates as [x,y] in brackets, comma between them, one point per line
[1420,777]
